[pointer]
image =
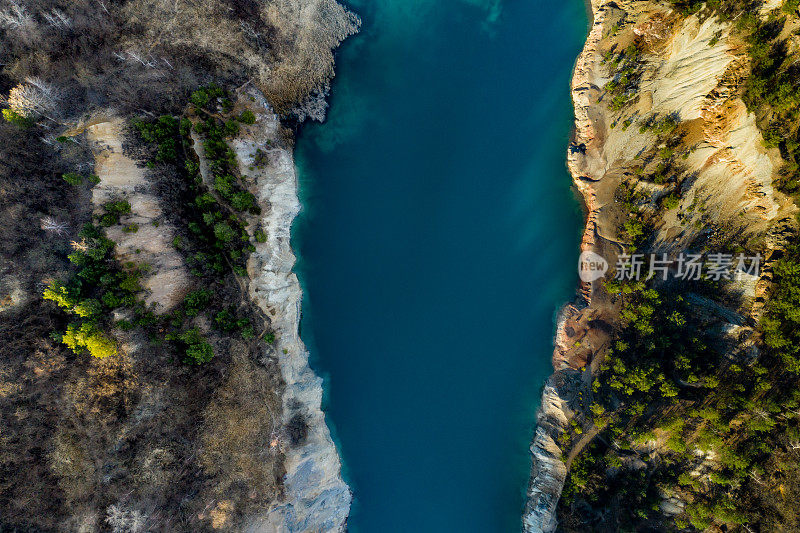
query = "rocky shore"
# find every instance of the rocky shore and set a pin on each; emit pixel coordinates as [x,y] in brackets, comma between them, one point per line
[316,498]
[549,469]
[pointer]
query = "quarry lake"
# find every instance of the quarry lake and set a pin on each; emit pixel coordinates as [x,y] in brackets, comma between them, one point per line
[439,235]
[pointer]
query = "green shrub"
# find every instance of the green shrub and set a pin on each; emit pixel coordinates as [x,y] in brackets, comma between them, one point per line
[65,298]
[113,212]
[88,308]
[185,128]
[223,232]
[248,333]
[671,202]
[634,228]
[200,352]
[243,201]
[247,116]
[231,128]
[205,201]
[227,321]
[196,301]
[210,218]
[129,282]
[17,119]
[203,96]
[73,178]
[125,325]
[165,132]
[196,348]
[699,517]
[111,300]
[88,337]
[224,185]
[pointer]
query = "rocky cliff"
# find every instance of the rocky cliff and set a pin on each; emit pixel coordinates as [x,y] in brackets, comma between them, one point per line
[317,499]
[651,84]
[549,469]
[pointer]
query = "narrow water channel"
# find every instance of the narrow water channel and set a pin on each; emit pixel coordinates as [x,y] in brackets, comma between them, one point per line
[439,234]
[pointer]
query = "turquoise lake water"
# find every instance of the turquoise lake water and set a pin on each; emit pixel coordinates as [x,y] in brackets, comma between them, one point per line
[438,237]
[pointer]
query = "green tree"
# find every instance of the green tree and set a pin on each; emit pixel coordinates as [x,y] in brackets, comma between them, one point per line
[89,337]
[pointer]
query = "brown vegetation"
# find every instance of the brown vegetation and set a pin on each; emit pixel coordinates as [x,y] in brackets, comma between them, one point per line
[148,55]
[138,440]
[240,443]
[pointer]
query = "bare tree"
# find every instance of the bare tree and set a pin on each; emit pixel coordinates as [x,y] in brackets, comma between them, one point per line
[58,19]
[54,225]
[14,15]
[124,520]
[314,107]
[307,33]
[33,99]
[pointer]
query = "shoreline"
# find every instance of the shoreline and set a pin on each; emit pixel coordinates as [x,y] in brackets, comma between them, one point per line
[310,345]
[316,496]
[587,4]
[548,469]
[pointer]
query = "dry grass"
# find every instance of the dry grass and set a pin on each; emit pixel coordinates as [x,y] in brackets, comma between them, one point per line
[239,448]
[148,54]
[285,46]
[307,33]
[103,393]
[134,439]
[32,369]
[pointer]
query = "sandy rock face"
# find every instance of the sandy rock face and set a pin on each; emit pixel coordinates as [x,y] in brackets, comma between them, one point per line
[167,280]
[697,80]
[691,70]
[549,472]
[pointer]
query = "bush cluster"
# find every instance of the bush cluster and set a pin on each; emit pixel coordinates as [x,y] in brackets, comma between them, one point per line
[98,287]
[194,346]
[75,179]
[113,211]
[663,381]
[623,88]
[216,240]
[161,132]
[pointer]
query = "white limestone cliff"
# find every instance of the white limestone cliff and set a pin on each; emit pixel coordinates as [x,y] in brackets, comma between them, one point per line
[316,497]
